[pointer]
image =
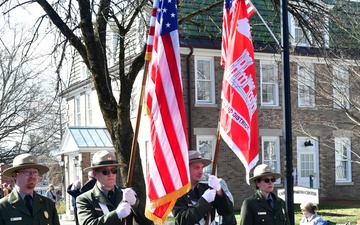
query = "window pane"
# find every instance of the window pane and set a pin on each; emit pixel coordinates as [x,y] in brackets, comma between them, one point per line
[204,90]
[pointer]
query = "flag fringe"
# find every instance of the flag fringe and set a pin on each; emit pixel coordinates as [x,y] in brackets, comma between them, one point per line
[171,197]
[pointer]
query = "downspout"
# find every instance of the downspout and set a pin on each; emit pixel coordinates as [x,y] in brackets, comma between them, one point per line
[189,93]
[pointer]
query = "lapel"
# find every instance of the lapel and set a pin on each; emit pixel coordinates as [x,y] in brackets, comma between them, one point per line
[38,202]
[263,203]
[101,198]
[16,201]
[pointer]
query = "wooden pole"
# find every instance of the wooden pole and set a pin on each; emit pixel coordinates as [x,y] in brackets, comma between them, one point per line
[136,132]
[214,163]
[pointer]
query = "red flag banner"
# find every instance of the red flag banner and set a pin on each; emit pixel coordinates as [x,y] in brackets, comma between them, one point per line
[227,18]
[238,117]
[168,163]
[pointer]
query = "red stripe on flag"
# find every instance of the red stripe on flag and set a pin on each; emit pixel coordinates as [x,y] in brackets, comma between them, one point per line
[168,165]
[238,116]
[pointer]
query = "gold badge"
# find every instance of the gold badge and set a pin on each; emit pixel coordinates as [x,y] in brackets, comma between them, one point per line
[46,214]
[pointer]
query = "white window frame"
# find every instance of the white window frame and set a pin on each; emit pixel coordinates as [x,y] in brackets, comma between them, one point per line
[205,152]
[77,108]
[341,87]
[274,162]
[306,85]
[274,83]
[211,81]
[294,31]
[343,175]
[89,109]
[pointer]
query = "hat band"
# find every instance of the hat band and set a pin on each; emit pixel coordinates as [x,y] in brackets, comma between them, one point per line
[195,159]
[105,163]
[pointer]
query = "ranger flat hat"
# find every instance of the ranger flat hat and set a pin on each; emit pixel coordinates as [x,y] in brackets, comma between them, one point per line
[195,156]
[25,161]
[264,170]
[103,158]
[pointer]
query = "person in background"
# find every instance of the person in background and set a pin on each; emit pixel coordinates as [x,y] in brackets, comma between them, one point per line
[106,203]
[23,205]
[10,188]
[6,190]
[229,219]
[50,193]
[1,191]
[264,205]
[194,206]
[89,184]
[310,217]
[74,190]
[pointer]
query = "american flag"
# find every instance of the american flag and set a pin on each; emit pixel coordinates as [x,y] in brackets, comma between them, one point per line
[227,18]
[168,162]
[238,117]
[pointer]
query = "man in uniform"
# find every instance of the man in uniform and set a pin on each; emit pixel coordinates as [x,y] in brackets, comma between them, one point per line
[199,204]
[23,205]
[106,203]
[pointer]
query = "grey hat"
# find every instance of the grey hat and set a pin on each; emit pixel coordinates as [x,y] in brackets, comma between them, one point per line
[264,170]
[104,158]
[195,156]
[25,161]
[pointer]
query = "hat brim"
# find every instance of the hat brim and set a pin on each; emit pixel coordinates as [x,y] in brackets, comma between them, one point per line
[276,175]
[9,172]
[120,165]
[206,162]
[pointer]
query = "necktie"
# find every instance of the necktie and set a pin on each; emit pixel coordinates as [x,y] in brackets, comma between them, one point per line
[111,197]
[28,199]
[197,192]
[270,202]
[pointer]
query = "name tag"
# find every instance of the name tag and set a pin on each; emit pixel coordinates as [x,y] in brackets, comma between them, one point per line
[16,219]
[261,213]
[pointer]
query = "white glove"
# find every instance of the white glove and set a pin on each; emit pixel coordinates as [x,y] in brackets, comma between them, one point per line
[209,195]
[123,210]
[129,196]
[214,183]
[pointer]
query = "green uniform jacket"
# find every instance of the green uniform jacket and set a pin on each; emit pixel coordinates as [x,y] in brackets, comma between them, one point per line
[187,213]
[255,211]
[89,211]
[13,210]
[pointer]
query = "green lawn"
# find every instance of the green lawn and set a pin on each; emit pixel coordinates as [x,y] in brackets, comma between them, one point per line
[335,213]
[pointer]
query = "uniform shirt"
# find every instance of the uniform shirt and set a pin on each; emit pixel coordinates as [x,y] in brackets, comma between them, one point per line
[14,212]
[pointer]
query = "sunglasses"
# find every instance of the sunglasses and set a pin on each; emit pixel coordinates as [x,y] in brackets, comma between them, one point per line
[108,171]
[267,180]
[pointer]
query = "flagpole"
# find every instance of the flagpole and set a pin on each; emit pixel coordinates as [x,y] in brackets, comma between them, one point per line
[266,25]
[289,185]
[214,162]
[136,133]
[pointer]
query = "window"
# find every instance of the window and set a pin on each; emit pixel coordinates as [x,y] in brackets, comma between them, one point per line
[269,84]
[205,144]
[299,38]
[342,160]
[85,72]
[89,119]
[341,87]
[270,147]
[306,86]
[77,111]
[204,80]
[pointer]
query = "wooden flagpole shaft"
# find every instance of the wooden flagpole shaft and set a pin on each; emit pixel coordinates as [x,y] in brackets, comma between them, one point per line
[136,133]
[214,163]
